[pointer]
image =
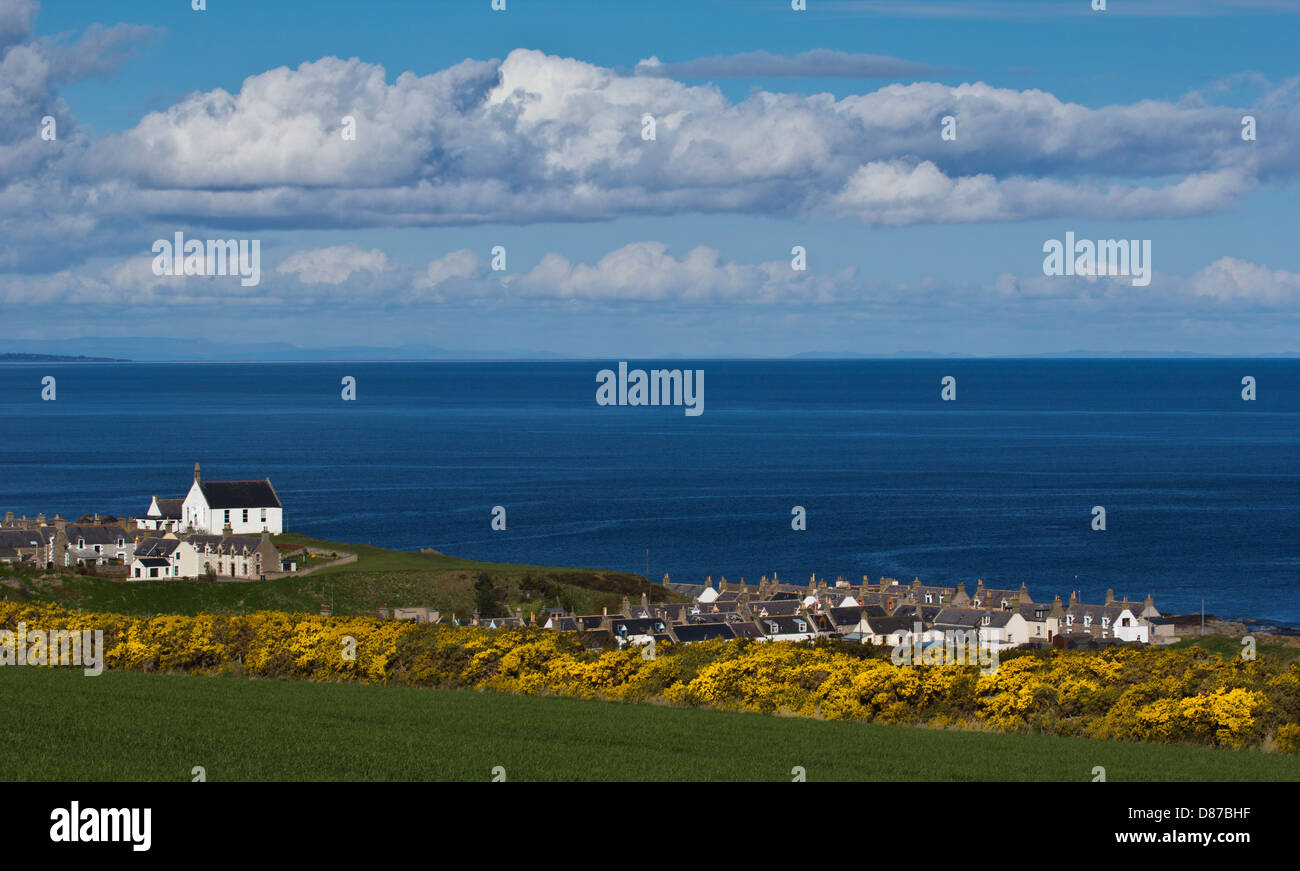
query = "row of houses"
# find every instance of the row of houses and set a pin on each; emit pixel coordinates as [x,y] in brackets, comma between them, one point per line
[886,613]
[220,528]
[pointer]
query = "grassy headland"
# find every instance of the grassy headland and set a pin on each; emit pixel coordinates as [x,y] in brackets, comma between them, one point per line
[378,577]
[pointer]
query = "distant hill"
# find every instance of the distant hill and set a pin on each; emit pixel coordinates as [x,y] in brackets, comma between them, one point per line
[55,358]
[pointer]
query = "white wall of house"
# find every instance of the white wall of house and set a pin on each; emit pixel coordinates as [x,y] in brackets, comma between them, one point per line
[247,521]
[1128,627]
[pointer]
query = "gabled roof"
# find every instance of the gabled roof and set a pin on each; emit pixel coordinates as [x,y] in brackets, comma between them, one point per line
[703,632]
[239,494]
[95,534]
[170,509]
[886,625]
[847,616]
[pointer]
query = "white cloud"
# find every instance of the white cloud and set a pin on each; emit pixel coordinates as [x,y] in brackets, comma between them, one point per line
[333,265]
[649,273]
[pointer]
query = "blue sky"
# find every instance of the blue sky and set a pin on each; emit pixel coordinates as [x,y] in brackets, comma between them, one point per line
[775,128]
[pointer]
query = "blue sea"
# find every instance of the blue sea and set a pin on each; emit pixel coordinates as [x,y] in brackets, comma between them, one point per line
[1201,489]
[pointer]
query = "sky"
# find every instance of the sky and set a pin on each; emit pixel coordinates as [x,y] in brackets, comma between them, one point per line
[519,138]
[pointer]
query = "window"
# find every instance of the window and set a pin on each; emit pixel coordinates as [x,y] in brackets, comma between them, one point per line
[245,515]
[1087,620]
[263,515]
[81,543]
[929,599]
[227,515]
[987,620]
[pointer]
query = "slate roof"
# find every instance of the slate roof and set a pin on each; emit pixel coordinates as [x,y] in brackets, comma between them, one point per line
[96,534]
[786,626]
[845,616]
[171,508]
[703,632]
[156,547]
[16,538]
[780,607]
[239,494]
[637,625]
[886,625]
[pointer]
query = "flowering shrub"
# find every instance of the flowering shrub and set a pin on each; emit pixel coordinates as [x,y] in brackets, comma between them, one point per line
[1124,694]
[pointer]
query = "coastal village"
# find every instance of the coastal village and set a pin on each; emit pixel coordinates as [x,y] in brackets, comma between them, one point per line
[884,613]
[221,530]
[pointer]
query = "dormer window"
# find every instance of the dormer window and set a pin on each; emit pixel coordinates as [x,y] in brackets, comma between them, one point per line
[803,627]
[81,543]
[977,603]
[1087,620]
[987,620]
[1105,622]
[929,599]
[1069,619]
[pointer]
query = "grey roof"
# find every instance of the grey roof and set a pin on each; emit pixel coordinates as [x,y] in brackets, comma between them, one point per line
[780,607]
[886,625]
[170,508]
[958,618]
[637,625]
[156,547]
[845,616]
[786,626]
[16,538]
[239,494]
[96,534]
[703,632]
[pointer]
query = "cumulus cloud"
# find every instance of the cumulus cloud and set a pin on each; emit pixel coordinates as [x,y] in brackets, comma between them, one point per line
[333,265]
[650,274]
[539,138]
[818,63]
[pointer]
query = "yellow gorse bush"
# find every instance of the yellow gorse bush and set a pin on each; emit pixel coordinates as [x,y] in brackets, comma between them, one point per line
[1124,694]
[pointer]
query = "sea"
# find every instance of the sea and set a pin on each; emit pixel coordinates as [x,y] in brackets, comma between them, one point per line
[1200,487]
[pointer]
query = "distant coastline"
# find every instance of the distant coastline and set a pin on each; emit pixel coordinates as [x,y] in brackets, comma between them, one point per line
[55,358]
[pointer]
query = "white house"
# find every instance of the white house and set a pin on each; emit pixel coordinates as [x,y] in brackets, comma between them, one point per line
[163,515]
[247,507]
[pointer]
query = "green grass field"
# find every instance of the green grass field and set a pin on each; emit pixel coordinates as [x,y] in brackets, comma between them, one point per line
[378,577]
[130,726]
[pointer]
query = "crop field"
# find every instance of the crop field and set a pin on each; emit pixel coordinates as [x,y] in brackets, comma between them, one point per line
[134,726]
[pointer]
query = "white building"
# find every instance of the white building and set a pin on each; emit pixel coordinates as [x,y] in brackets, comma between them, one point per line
[247,507]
